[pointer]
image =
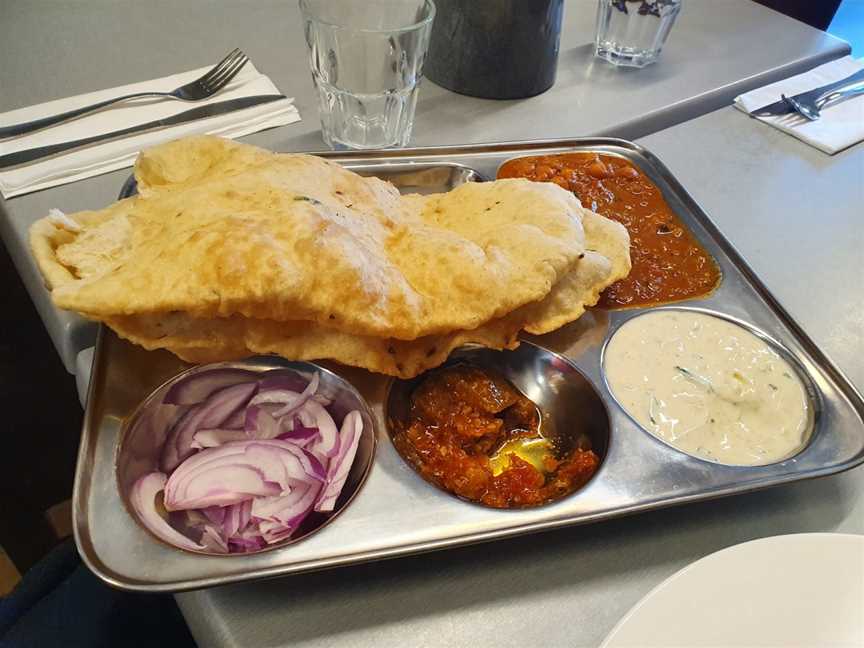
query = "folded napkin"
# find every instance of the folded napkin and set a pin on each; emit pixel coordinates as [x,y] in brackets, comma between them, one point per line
[840,126]
[112,155]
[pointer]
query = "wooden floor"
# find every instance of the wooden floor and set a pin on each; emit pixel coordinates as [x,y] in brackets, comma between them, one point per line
[41,425]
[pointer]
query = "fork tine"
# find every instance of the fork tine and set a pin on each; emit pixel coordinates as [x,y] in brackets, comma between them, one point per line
[225,76]
[221,65]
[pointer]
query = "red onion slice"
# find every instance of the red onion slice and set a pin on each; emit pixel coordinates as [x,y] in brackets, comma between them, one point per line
[199,386]
[143,500]
[216,437]
[221,485]
[216,514]
[260,424]
[238,470]
[245,514]
[241,544]
[231,525]
[312,414]
[210,536]
[209,414]
[213,541]
[352,429]
[291,400]
[286,507]
[273,532]
[298,433]
[236,421]
[270,454]
[298,402]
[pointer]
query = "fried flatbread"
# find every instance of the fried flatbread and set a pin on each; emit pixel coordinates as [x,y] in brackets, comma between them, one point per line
[230,250]
[211,340]
[221,230]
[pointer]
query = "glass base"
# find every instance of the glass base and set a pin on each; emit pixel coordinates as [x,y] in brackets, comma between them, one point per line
[626,56]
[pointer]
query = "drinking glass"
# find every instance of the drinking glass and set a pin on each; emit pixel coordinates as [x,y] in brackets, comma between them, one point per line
[632,32]
[367,63]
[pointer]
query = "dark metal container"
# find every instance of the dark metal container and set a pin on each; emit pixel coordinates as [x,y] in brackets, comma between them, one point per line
[495,49]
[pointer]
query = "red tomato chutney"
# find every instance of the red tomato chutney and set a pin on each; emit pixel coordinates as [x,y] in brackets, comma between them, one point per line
[669,264]
[472,433]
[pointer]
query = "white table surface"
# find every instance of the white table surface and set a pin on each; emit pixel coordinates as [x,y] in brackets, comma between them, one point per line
[796,216]
[51,49]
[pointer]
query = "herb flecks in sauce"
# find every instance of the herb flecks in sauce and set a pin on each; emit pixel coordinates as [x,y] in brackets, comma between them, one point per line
[707,387]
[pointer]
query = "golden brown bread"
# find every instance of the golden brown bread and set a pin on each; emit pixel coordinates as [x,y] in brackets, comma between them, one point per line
[290,237]
[231,250]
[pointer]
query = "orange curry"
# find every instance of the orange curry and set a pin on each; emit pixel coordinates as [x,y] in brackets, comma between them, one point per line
[669,264]
[461,417]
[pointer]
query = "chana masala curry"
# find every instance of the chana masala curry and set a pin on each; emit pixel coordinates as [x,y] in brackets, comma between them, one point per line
[669,264]
[472,433]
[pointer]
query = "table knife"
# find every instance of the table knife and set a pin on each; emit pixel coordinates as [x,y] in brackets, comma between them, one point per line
[202,112]
[783,107]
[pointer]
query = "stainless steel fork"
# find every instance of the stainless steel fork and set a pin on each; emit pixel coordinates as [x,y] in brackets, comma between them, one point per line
[201,88]
[810,107]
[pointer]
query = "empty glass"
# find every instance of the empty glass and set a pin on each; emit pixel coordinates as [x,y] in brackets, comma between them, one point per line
[632,32]
[367,62]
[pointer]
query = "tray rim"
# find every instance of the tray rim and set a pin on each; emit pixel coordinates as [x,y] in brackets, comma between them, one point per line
[518,149]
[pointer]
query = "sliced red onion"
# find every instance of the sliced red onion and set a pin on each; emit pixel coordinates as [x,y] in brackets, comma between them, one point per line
[260,424]
[238,470]
[201,385]
[143,499]
[231,525]
[295,462]
[286,507]
[214,542]
[291,400]
[239,544]
[210,537]
[245,514]
[222,485]
[298,433]
[279,396]
[352,429]
[270,454]
[274,532]
[170,458]
[209,414]
[311,465]
[216,437]
[216,514]
[300,401]
[312,414]
[236,421]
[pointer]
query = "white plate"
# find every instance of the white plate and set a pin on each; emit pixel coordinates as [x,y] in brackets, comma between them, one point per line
[794,590]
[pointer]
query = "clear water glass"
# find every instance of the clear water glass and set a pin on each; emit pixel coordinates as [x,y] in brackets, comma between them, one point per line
[632,32]
[367,62]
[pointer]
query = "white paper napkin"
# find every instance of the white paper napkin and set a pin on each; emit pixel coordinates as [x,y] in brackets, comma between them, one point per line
[840,126]
[109,156]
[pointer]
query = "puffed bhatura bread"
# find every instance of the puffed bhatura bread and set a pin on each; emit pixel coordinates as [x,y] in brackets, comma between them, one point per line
[230,250]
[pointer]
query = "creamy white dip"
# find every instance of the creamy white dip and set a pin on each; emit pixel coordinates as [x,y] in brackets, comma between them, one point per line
[708,387]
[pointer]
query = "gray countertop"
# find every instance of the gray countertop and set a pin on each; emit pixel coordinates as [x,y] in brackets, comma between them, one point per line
[52,49]
[795,215]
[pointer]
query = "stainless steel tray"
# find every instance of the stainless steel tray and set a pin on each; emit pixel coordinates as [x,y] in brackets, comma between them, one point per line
[397,512]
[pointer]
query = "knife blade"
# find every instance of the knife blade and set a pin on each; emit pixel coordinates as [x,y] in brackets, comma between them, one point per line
[783,107]
[202,112]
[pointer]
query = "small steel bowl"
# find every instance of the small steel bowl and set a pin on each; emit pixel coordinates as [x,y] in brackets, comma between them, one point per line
[569,404]
[144,433]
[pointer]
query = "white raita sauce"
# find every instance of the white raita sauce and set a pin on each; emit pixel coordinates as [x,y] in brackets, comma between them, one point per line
[708,387]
